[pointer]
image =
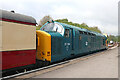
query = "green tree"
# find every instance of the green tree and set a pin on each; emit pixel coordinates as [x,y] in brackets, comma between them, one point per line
[43,21]
[62,20]
[95,28]
[83,25]
[118,38]
[112,38]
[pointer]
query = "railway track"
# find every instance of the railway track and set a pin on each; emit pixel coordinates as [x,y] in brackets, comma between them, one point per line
[11,76]
[53,65]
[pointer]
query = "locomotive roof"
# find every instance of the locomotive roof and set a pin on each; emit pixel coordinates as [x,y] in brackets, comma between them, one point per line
[81,29]
[16,17]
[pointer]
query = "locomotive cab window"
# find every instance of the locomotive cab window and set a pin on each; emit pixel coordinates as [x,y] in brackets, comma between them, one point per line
[66,33]
[53,27]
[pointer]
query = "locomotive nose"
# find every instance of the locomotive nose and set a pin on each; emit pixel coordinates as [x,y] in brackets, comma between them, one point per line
[43,45]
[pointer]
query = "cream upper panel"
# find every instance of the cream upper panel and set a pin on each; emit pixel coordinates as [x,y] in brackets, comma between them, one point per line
[18,36]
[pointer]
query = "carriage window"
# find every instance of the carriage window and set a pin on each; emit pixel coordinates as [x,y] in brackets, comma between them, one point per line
[66,33]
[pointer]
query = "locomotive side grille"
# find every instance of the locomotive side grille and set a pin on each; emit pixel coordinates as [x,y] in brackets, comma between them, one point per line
[56,45]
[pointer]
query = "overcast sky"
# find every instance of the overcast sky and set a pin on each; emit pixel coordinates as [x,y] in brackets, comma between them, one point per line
[101,13]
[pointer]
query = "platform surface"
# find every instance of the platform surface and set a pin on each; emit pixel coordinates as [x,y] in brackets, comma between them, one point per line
[104,65]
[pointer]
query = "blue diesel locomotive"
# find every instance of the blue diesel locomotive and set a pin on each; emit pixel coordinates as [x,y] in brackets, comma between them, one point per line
[59,41]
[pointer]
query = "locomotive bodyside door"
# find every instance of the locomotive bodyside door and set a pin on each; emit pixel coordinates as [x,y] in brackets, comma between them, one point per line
[69,42]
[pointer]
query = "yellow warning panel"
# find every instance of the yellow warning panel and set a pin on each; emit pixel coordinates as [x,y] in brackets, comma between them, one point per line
[43,46]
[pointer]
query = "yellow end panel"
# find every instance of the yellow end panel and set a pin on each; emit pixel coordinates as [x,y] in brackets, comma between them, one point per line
[44,45]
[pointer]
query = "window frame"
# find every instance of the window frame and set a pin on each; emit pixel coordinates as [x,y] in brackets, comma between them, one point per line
[68,34]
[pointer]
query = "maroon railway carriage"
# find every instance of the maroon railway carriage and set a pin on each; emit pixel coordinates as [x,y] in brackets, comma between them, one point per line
[17,40]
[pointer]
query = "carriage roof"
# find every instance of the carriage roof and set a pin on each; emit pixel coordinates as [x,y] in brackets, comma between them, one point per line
[8,15]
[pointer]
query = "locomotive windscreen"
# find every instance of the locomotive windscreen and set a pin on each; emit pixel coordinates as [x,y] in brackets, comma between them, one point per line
[53,27]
